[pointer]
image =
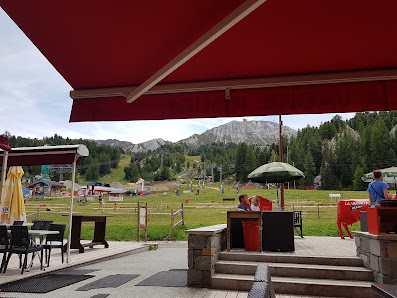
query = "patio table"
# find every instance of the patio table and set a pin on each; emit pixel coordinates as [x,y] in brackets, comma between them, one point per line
[42,234]
[99,232]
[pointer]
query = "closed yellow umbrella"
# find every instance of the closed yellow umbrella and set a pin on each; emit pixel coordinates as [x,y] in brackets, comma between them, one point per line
[12,204]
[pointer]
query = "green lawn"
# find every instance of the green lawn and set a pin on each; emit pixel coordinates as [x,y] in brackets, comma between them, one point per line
[203,210]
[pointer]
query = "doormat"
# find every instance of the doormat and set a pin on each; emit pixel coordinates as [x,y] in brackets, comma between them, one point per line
[43,283]
[172,278]
[110,281]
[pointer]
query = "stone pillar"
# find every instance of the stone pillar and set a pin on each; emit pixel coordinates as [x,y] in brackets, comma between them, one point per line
[203,247]
[379,253]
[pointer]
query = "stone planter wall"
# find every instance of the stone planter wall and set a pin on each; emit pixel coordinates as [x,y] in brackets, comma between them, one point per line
[379,253]
[203,247]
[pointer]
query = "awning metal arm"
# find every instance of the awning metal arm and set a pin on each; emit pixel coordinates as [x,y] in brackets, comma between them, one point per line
[233,18]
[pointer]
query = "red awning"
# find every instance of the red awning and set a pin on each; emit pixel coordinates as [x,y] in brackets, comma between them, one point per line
[282,57]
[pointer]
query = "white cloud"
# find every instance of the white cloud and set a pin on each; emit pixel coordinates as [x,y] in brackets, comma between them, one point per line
[35,103]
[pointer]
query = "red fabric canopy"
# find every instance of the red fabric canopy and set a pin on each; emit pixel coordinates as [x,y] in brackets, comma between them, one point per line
[100,44]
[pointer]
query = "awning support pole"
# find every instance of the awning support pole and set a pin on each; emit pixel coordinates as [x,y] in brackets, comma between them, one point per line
[3,173]
[71,210]
[281,160]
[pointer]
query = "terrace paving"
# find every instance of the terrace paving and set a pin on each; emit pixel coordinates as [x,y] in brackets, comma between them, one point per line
[136,258]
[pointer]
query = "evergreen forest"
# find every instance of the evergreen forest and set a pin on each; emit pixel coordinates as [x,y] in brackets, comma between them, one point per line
[333,156]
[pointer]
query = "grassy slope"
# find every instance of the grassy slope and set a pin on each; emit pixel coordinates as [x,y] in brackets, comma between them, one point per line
[116,175]
[206,209]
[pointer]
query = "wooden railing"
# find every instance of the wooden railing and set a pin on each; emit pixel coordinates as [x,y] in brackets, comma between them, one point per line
[173,224]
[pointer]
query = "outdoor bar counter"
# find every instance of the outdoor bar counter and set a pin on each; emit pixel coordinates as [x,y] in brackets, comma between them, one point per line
[276,229]
[378,247]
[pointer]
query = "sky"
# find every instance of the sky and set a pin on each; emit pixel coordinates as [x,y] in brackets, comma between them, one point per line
[35,102]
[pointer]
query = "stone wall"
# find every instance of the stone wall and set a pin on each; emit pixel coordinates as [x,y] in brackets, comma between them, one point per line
[203,247]
[379,253]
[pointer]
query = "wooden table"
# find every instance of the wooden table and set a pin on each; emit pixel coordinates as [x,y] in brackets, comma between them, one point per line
[242,215]
[388,291]
[99,232]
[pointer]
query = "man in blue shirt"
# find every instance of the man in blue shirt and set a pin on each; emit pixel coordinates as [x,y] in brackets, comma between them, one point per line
[377,189]
[244,203]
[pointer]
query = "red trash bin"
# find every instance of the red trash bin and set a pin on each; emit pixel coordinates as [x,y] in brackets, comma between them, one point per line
[251,235]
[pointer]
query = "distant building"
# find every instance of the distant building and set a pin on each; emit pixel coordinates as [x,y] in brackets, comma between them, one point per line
[45,187]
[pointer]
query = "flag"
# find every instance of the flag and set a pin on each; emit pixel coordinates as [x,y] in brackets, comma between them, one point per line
[139,181]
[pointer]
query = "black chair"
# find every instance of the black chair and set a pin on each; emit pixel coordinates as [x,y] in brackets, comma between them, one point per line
[18,223]
[4,245]
[21,245]
[46,224]
[37,224]
[54,238]
[298,223]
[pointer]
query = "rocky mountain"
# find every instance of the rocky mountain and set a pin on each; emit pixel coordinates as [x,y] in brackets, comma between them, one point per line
[114,143]
[146,146]
[251,132]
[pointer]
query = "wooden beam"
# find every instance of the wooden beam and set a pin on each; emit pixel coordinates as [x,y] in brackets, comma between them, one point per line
[264,82]
[233,18]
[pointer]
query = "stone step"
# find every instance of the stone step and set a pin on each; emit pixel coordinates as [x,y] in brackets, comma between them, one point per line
[292,259]
[297,286]
[297,270]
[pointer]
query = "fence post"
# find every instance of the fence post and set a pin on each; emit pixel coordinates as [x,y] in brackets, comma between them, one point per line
[183,220]
[318,211]
[146,210]
[172,224]
[138,221]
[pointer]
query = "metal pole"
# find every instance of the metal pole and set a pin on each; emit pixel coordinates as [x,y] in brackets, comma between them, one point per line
[212,173]
[187,179]
[281,160]
[294,180]
[3,173]
[71,210]
[220,178]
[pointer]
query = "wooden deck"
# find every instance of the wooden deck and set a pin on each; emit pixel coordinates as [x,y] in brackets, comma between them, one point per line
[322,246]
[209,293]
[318,246]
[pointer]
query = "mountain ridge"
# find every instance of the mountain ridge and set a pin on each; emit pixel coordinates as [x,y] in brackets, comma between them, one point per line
[251,132]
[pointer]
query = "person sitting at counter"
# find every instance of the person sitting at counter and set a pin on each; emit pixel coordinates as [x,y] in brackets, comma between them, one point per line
[377,189]
[255,203]
[244,203]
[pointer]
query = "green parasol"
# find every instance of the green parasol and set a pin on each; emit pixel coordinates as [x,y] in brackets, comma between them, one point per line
[276,172]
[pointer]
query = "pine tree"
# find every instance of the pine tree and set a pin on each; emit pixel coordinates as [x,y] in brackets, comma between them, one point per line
[358,183]
[310,169]
[88,174]
[274,156]
[328,180]
[241,156]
